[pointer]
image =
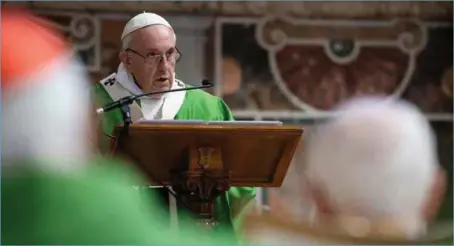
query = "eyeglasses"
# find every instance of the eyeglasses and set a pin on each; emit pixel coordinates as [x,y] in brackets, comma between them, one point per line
[171,56]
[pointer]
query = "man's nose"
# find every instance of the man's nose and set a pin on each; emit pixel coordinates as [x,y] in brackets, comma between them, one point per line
[163,63]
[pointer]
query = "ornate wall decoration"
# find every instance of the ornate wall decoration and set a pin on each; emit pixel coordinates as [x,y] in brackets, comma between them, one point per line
[83,32]
[317,64]
[301,68]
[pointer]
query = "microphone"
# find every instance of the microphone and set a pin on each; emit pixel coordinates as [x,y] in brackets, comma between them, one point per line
[130,99]
[206,82]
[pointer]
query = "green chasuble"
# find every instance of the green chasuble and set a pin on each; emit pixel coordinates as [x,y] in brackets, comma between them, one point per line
[95,204]
[197,105]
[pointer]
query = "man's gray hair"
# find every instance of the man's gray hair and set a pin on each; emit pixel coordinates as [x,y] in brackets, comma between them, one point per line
[126,41]
[375,158]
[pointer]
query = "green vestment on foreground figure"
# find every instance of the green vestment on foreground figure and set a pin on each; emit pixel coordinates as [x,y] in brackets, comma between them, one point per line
[93,205]
[196,105]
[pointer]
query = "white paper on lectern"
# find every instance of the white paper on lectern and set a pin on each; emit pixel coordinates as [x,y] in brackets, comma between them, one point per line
[170,122]
[246,123]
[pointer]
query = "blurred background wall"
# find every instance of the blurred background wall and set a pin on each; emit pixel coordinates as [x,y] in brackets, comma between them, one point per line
[292,69]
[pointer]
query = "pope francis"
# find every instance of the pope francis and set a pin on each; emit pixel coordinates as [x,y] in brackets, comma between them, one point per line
[148,59]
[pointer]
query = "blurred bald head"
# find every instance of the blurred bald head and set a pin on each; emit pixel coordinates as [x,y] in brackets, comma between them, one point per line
[374,159]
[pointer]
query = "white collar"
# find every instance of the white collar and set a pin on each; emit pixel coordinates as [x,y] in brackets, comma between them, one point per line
[168,103]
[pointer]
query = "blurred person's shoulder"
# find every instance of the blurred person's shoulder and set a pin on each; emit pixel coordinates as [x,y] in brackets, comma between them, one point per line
[96,204]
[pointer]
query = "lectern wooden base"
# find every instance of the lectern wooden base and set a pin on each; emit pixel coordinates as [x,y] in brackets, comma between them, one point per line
[198,190]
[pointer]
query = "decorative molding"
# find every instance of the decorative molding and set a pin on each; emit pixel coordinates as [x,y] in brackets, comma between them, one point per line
[181,21]
[189,22]
[83,32]
[305,9]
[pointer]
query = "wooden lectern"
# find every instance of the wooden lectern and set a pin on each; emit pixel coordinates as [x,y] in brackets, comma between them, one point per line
[200,162]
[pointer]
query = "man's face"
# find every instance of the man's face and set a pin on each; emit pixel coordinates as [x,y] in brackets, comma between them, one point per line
[151,58]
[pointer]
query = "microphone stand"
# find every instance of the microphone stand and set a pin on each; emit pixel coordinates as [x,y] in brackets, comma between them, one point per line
[124,105]
[127,121]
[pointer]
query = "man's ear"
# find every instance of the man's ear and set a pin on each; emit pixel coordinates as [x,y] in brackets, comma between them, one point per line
[126,60]
[436,195]
[318,196]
